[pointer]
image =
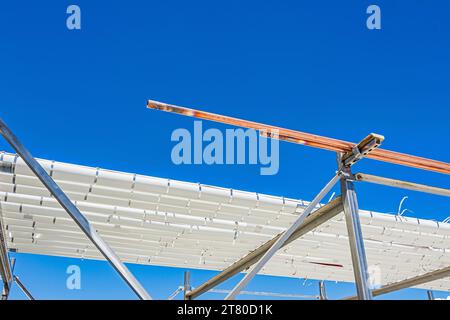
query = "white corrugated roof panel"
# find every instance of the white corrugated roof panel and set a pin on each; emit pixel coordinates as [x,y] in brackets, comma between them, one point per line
[155,221]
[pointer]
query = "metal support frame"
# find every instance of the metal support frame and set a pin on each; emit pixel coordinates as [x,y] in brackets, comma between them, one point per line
[356,241]
[73,212]
[349,154]
[263,254]
[322,292]
[318,217]
[362,149]
[282,239]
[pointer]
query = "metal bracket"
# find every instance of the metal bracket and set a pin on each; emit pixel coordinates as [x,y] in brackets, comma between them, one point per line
[355,237]
[362,149]
[346,174]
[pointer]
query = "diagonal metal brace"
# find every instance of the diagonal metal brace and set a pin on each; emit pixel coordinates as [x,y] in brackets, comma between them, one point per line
[73,212]
[311,222]
[282,239]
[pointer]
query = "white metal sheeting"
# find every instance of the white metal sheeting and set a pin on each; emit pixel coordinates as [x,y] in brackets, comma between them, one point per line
[156,221]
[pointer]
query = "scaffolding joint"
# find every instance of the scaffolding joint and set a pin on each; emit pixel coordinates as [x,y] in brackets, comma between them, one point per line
[362,149]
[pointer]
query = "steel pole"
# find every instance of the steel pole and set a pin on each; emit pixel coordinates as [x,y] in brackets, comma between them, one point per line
[355,237]
[73,212]
[187,285]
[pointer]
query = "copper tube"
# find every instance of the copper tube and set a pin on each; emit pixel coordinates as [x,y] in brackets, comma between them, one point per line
[308,139]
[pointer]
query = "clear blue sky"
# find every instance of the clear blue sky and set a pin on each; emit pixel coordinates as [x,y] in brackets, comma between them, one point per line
[79,97]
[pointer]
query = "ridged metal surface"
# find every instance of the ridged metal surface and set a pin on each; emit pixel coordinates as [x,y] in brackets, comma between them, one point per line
[156,221]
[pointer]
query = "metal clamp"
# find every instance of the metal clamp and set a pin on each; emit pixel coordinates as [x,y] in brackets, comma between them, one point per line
[362,149]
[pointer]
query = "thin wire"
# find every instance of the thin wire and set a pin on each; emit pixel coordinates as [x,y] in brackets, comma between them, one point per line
[399,211]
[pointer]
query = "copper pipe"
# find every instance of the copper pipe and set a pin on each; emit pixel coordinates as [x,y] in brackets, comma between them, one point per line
[308,139]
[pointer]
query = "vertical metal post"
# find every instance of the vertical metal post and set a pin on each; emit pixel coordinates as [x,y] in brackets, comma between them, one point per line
[73,212]
[5,290]
[187,284]
[355,237]
[282,239]
[430,295]
[322,292]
